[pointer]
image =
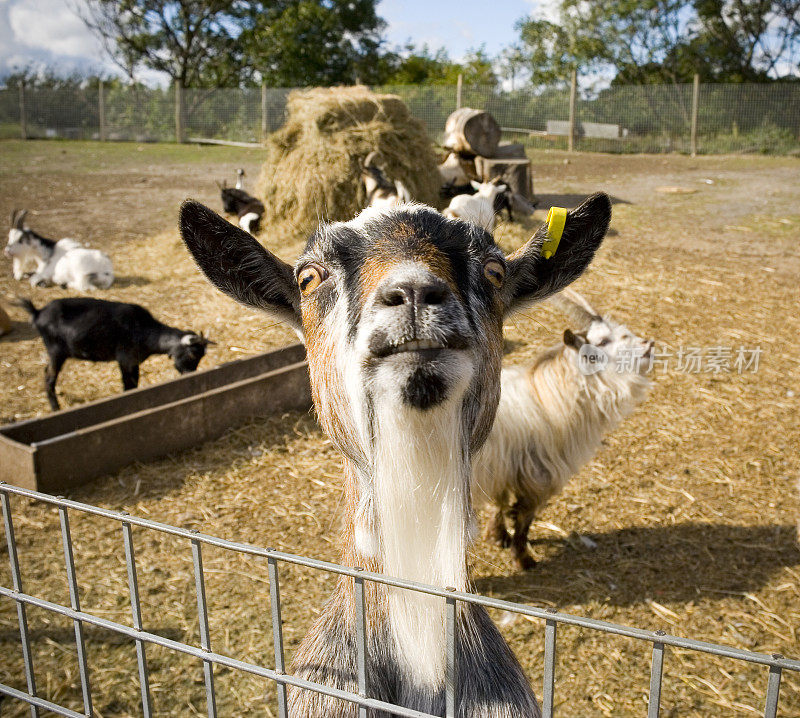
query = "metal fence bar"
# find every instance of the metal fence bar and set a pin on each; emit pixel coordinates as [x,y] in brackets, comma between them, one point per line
[37,703]
[136,611]
[277,633]
[216,658]
[523,610]
[548,691]
[656,671]
[22,617]
[773,691]
[361,640]
[450,647]
[202,617]
[74,601]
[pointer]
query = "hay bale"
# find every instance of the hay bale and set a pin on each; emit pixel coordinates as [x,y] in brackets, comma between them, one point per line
[313,165]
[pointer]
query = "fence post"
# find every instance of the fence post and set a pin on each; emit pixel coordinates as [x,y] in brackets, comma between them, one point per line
[101,109]
[263,111]
[695,103]
[573,88]
[23,123]
[458,90]
[179,114]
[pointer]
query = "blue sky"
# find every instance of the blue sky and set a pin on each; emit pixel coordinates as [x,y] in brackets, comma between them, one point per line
[457,26]
[39,32]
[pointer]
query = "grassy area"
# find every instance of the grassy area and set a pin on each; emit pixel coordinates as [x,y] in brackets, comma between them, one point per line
[692,503]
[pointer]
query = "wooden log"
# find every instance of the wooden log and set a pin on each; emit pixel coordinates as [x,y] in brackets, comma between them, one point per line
[516,173]
[472,132]
[510,150]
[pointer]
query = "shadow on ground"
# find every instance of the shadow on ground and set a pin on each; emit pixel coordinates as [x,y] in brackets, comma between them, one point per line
[20,332]
[678,563]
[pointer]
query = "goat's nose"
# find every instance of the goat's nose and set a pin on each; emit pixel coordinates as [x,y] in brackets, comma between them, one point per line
[429,291]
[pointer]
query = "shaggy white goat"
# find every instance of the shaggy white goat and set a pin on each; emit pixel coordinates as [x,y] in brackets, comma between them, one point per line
[65,262]
[477,208]
[552,417]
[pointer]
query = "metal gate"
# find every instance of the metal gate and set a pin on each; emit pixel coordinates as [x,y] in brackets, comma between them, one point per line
[775,663]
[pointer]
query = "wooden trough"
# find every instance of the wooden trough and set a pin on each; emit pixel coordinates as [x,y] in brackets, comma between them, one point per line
[72,446]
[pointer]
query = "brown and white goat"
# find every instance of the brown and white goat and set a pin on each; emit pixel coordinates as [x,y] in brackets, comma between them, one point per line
[402,312]
[552,417]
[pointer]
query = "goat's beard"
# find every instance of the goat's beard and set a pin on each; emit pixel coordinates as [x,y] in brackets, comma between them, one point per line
[422,383]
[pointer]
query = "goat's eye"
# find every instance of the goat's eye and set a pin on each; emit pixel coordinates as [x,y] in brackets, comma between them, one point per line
[495,272]
[311,277]
[603,342]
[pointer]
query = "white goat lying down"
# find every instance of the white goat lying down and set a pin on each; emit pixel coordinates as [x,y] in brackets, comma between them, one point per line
[477,208]
[552,417]
[64,262]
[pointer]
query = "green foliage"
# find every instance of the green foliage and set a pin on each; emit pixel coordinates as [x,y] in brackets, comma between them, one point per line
[192,41]
[423,66]
[658,41]
[301,43]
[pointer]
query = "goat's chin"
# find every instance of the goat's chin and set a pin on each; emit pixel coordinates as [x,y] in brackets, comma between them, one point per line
[424,379]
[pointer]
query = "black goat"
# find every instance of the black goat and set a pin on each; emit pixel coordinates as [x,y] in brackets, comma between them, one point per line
[247,208]
[97,330]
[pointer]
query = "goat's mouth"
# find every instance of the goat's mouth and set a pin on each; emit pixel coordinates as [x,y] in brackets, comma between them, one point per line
[423,348]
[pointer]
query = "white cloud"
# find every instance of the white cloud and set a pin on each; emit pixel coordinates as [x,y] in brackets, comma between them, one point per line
[53,26]
[40,34]
[544,9]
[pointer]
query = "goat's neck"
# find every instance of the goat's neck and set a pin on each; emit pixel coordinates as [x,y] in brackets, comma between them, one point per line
[411,517]
[164,340]
[46,247]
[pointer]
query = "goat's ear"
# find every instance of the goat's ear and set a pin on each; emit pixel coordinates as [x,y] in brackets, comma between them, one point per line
[475,185]
[531,278]
[576,341]
[238,265]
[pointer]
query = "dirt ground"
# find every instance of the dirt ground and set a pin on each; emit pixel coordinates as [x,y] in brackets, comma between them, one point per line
[692,503]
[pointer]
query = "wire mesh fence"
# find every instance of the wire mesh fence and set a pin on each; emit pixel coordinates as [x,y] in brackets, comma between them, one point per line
[26,690]
[760,118]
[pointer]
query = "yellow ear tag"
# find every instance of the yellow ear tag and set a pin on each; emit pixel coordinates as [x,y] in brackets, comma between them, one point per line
[556,219]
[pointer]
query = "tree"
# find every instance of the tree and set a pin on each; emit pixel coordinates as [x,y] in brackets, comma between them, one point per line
[191,41]
[292,43]
[511,63]
[665,40]
[423,66]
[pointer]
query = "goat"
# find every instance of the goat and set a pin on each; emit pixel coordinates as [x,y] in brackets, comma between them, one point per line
[64,262]
[98,330]
[380,191]
[478,208]
[452,172]
[402,310]
[552,417]
[247,208]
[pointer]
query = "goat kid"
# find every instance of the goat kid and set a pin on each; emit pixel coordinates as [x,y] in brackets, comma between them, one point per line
[402,312]
[247,208]
[380,191]
[479,208]
[64,262]
[553,416]
[98,330]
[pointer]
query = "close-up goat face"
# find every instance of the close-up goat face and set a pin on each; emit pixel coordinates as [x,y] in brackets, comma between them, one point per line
[401,310]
